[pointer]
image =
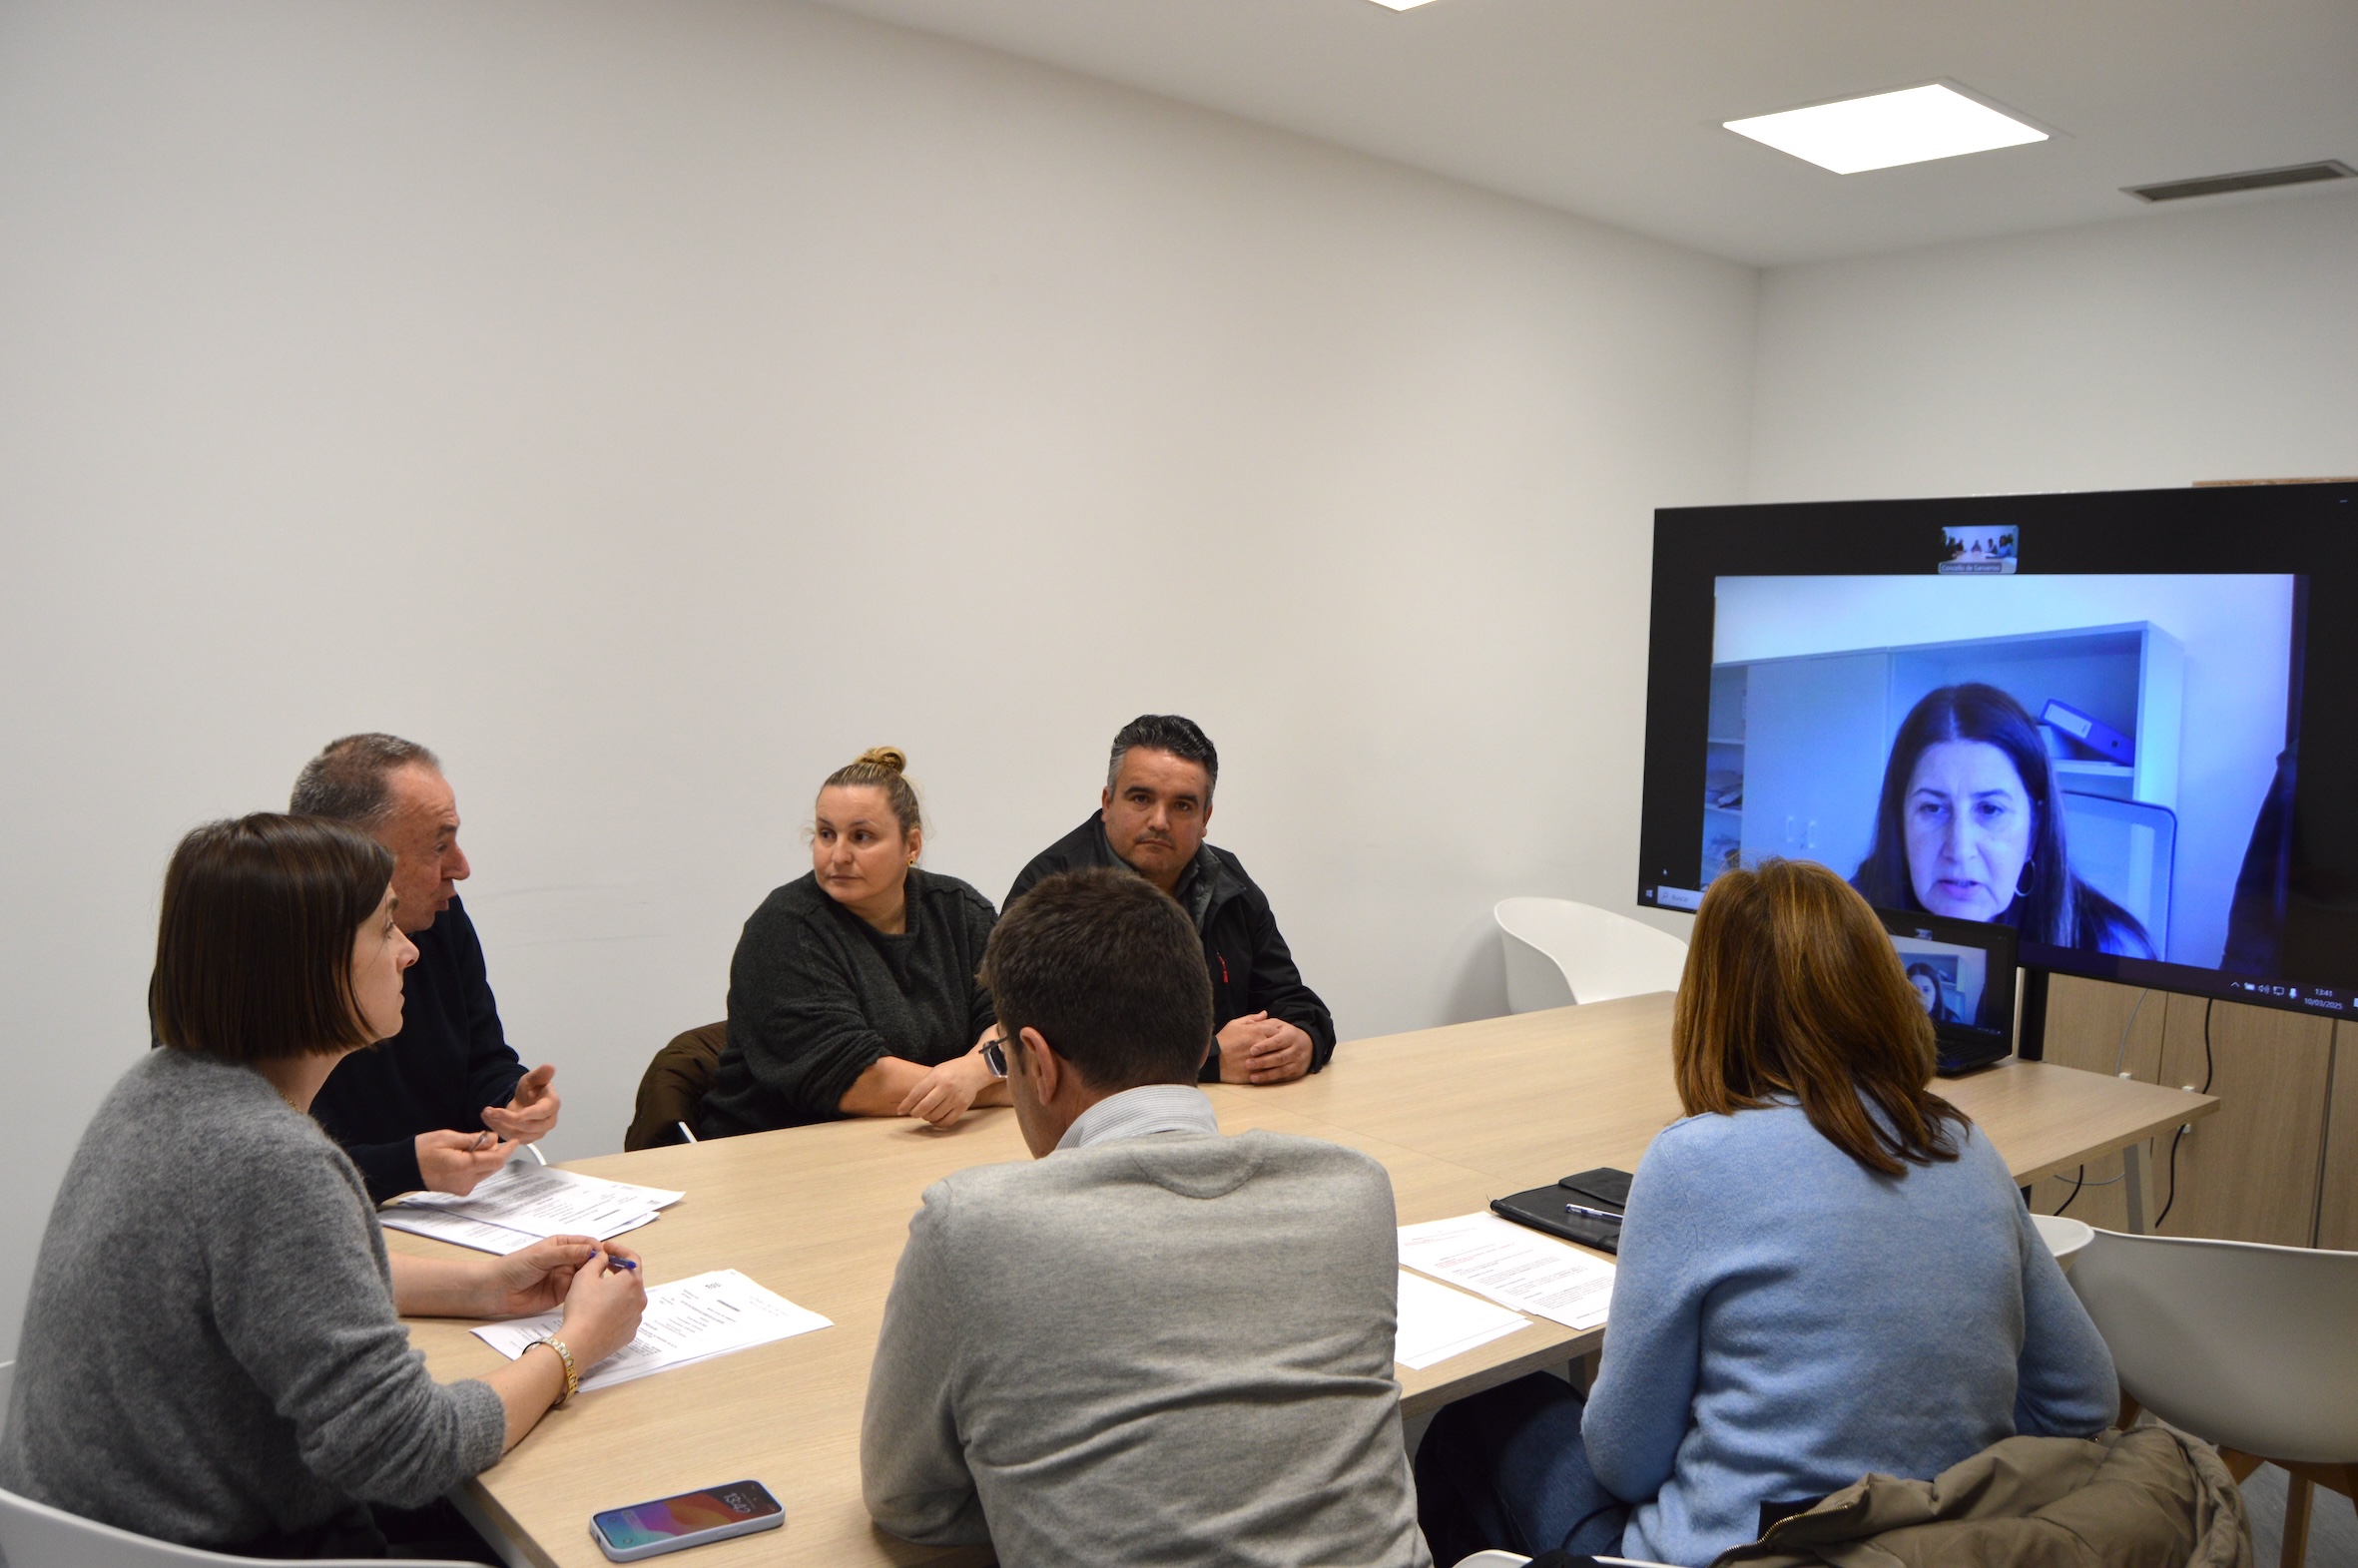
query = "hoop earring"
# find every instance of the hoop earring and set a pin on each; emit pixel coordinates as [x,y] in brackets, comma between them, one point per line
[2028,883]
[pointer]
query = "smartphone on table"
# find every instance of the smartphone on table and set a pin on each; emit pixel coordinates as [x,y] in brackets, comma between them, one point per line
[670,1525]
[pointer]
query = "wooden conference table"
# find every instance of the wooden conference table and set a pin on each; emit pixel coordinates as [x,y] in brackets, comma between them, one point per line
[1457,1115]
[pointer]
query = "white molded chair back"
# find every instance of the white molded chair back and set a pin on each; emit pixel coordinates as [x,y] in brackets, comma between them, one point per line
[2245,1345]
[1560,952]
[2065,1237]
[35,1535]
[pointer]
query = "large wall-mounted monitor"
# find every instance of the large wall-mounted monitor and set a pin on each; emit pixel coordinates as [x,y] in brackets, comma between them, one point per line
[2121,722]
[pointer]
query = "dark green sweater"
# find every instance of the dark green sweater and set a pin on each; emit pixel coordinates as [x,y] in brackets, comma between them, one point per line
[817,996]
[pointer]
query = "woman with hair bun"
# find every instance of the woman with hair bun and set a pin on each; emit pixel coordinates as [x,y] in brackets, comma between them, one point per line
[852,992]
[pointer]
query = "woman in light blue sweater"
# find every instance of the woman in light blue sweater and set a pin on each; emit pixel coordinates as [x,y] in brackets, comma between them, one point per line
[1825,1271]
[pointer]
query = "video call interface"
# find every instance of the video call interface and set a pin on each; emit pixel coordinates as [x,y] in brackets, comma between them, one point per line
[1950,980]
[2105,760]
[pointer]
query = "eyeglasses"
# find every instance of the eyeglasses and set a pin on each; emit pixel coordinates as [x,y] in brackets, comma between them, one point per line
[994,1055]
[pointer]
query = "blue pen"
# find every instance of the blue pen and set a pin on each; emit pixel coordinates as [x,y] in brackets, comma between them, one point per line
[1592,1214]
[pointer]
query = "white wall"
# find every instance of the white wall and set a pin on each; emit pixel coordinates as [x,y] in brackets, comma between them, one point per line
[650,406]
[2217,343]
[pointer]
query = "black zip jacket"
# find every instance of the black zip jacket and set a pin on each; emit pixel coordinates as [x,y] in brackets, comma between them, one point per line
[1252,970]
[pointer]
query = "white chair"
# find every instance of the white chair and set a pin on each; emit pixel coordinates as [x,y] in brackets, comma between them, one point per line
[2065,1237]
[1560,952]
[35,1535]
[2250,1348]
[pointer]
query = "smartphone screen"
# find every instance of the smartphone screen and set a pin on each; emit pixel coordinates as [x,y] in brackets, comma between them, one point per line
[669,1518]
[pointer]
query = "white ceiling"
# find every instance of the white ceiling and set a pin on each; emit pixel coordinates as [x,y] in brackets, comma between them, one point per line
[1612,108]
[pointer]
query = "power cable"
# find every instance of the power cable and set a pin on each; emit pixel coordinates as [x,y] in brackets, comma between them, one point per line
[2209,1066]
[2121,1055]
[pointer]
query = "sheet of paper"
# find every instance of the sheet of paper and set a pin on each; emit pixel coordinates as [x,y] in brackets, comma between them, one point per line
[1437,1322]
[692,1319]
[1514,1265]
[445,1227]
[539,1201]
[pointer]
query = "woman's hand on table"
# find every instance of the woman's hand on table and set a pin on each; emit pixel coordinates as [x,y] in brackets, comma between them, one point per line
[948,1091]
[604,1299]
[537,1279]
[603,1291]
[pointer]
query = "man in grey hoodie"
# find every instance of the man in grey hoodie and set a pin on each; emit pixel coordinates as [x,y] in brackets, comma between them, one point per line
[1156,1343]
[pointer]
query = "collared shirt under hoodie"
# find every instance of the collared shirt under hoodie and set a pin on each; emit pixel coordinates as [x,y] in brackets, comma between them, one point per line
[1172,1348]
[817,996]
[1141,1113]
[1251,968]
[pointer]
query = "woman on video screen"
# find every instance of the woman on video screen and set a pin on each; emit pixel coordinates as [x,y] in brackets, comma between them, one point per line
[1927,981]
[1966,828]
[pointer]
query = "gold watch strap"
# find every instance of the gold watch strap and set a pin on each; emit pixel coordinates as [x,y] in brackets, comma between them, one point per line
[572,1372]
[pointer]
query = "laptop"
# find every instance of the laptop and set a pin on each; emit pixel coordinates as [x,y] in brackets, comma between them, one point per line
[1964,971]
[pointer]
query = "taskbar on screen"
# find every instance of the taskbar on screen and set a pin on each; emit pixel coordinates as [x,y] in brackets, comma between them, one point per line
[2330,1001]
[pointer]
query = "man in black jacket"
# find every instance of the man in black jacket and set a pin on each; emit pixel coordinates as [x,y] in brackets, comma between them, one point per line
[442,1104]
[1268,1026]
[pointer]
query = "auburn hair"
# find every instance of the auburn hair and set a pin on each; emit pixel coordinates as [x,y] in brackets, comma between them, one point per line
[1792,987]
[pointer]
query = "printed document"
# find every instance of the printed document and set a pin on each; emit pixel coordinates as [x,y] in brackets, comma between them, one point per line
[525,1200]
[1437,1322]
[1514,1265]
[457,1229]
[687,1320]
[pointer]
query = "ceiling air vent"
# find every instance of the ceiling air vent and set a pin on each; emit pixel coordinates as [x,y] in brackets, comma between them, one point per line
[2249,179]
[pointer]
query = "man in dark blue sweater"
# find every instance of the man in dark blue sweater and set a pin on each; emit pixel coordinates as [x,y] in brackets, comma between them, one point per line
[445,1102]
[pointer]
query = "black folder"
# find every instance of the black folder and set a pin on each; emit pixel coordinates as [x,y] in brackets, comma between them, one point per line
[1542,1210]
[1602,1187]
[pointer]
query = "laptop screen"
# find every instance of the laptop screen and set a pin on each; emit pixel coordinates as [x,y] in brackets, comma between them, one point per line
[1964,972]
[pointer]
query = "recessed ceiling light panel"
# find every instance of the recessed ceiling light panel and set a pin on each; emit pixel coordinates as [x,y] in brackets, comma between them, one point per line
[1401,5]
[1912,126]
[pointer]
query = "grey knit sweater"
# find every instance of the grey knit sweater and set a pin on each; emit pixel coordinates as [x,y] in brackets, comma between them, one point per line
[211,1353]
[1163,1350]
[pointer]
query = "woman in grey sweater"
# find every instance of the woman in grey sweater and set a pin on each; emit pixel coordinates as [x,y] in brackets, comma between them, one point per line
[212,1351]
